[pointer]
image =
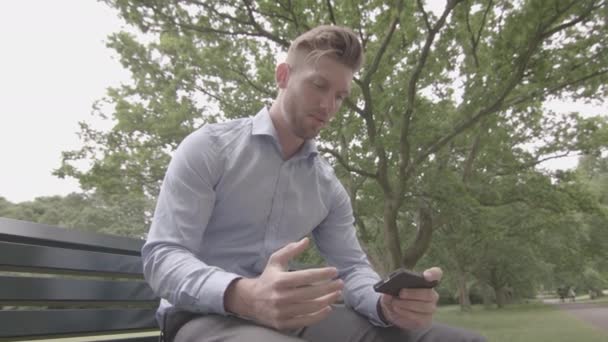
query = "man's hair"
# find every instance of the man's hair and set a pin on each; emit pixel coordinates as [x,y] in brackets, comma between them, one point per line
[340,43]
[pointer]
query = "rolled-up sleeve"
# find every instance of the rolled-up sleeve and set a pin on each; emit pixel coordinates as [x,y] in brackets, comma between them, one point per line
[183,210]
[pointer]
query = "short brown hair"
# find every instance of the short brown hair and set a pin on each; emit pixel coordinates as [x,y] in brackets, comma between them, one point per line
[340,43]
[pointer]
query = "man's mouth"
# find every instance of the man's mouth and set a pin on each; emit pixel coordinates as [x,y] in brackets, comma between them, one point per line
[318,119]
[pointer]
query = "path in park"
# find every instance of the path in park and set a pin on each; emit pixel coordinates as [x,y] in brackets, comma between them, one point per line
[595,314]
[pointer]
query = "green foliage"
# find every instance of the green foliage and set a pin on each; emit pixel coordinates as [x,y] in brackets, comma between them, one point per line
[114,215]
[446,117]
[591,279]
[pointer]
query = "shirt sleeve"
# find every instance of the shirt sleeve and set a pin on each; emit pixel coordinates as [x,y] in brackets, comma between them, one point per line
[337,241]
[183,209]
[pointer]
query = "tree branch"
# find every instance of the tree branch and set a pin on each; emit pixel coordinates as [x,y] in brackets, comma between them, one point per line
[211,30]
[425,16]
[534,163]
[523,60]
[572,22]
[472,39]
[289,9]
[346,165]
[476,38]
[483,21]
[250,81]
[554,89]
[330,9]
[208,93]
[373,67]
[352,106]
[467,171]
[262,32]
[213,10]
[404,145]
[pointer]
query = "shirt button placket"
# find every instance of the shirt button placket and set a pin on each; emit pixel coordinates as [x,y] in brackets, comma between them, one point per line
[276,211]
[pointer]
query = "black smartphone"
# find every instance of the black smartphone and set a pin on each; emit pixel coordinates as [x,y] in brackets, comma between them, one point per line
[401,279]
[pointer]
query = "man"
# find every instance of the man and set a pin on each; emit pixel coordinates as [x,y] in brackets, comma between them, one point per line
[236,205]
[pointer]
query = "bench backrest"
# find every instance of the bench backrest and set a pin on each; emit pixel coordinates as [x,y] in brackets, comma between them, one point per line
[58,283]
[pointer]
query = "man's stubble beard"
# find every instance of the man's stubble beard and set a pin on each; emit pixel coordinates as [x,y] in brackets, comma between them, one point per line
[296,124]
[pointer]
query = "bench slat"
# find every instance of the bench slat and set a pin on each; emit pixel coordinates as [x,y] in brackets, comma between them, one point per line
[113,307]
[16,256]
[56,289]
[15,323]
[42,234]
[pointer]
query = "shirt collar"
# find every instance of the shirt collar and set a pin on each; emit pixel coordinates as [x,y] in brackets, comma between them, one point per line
[262,125]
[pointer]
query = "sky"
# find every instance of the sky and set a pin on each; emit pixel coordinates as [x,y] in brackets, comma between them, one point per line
[53,65]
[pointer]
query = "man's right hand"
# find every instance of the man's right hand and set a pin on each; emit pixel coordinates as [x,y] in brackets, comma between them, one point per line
[282,299]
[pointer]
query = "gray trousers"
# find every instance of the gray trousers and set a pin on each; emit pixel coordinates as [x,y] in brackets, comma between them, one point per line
[342,325]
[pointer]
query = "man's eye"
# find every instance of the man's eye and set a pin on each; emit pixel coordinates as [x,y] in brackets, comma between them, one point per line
[318,85]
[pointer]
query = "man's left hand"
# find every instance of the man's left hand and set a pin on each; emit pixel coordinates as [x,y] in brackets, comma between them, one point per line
[413,308]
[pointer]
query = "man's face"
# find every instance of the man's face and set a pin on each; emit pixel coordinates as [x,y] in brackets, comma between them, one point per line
[313,94]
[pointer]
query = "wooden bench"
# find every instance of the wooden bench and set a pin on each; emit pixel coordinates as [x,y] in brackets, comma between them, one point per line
[57,283]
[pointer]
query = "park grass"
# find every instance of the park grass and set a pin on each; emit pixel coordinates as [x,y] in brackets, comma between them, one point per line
[522,323]
[603,301]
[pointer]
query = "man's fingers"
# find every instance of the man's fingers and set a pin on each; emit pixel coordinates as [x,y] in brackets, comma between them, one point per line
[304,293]
[413,315]
[433,273]
[282,256]
[422,295]
[413,306]
[386,302]
[310,306]
[307,277]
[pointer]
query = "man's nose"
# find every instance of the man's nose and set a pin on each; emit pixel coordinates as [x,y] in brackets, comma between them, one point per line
[328,102]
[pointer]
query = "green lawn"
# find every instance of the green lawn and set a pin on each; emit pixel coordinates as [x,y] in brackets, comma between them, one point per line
[601,300]
[522,323]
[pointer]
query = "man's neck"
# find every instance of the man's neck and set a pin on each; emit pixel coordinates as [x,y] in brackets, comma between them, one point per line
[290,143]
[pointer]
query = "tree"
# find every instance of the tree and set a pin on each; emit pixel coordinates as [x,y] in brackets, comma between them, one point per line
[430,78]
[498,230]
[119,215]
[592,174]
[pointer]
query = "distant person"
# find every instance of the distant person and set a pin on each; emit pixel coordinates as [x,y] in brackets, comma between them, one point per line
[562,292]
[237,201]
[571,294]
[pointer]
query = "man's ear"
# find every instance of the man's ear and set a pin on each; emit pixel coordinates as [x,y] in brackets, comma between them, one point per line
[282,74]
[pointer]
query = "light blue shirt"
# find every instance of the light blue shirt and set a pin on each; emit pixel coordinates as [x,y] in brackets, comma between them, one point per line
[229,200]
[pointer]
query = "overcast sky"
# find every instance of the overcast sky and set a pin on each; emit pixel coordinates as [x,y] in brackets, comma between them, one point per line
[53,65]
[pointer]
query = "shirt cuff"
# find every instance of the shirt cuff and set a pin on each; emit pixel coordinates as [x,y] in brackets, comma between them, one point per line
[381,315]
[372,305]
[211,295]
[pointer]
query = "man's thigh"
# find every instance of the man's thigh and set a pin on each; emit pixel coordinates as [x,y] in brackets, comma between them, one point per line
[342,325]
[209,328]
[345,325]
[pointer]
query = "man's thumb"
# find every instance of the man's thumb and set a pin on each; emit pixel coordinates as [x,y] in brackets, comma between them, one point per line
[282,256]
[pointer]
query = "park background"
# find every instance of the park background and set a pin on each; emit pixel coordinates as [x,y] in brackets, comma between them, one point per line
[450,144]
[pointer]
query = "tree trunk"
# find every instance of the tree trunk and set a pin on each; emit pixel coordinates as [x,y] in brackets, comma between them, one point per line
[391,234]
[376,260]
[423,238]
[463,292]
[500,296]
[487,297]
